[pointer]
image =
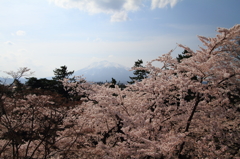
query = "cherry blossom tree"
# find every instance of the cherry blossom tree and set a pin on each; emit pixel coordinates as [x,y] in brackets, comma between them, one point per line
[29,126]
[21,72]
[153,119]
[187,109]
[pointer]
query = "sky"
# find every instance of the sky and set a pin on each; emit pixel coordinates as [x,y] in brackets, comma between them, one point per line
[46,34]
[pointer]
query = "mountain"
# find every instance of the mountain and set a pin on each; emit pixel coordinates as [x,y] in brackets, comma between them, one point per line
[8,81]
[104,71]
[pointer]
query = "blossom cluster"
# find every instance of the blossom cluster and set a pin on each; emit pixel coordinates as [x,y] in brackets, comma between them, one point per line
[187,109]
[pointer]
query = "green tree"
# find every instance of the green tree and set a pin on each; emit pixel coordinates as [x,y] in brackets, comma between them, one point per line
[42,83]
[113,83]
[185,54]
[61,73]
[54,85]
[140,74]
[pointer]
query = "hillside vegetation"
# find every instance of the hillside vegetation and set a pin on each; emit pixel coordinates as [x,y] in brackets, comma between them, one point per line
[188,108]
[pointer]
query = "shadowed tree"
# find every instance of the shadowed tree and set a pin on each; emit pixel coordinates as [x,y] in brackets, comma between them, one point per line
[61,73]
[140,74]
[185,54]
[21,72]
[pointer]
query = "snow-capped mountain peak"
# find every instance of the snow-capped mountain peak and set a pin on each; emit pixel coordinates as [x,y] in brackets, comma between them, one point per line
[104,71]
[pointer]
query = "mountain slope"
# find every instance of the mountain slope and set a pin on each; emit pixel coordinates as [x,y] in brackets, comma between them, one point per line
[104,71]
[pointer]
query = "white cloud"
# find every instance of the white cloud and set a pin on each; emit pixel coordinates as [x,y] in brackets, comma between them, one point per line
[163,3]
[132,5]
[117,8]
[100,6]
[119,16]
[93,6]
[9,43]
[20,33]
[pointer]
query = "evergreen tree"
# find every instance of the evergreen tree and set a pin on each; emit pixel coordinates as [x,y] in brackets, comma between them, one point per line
[185,54]
[140,74]
[61,73]
[54,85]
[43,83]
[113,83]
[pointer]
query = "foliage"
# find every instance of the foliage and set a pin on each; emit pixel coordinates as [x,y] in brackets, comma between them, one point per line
[185,54]
[42,83]
[140,72]
[113,83]
[21,72]
[61,73]
[149,119]
[152,118]
[54,85]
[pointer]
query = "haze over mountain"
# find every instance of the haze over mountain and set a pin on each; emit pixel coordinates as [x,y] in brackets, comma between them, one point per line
[9,80]
[96,72]
[104,71]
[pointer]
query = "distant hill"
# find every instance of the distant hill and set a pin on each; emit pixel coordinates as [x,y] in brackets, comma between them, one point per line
[8,81]
[104,71]
[96,72]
